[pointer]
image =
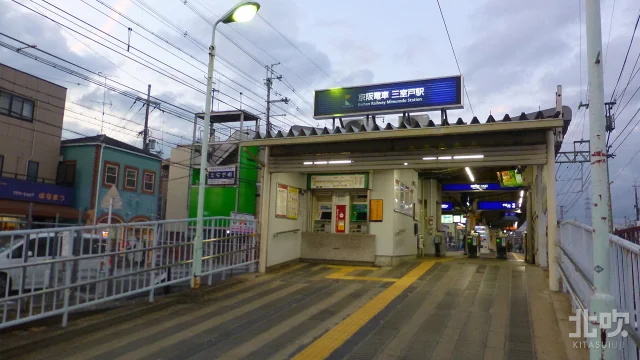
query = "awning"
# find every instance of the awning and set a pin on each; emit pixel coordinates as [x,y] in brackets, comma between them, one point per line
[21,208]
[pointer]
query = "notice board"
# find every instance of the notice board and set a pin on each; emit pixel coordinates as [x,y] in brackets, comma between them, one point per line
[375,214]
[287,202]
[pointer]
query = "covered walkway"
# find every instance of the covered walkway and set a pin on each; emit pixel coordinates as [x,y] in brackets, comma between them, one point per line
[451,308]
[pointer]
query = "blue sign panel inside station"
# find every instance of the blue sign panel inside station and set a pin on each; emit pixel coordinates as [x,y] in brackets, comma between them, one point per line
[415,95]
[476,187]
[497,205]
[447,206]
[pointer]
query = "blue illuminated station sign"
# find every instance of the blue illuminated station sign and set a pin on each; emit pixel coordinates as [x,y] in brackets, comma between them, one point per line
[389,98]
[497,205]
[447,206]
[476,187]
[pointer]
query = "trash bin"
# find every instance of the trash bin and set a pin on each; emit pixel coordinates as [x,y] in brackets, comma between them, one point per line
[472,246]
[437,242]
[501,248]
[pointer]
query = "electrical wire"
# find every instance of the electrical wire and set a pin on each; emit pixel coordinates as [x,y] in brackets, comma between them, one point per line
[626,57]
[455,57]
[298,49]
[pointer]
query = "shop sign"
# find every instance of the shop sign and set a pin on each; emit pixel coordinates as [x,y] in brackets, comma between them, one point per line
[389,98]
[23,190]
[447,206]
[221,175]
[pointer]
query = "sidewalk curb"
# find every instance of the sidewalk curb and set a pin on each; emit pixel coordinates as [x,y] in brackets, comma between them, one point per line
[109,318]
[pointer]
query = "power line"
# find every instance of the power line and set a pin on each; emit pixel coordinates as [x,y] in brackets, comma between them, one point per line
[606,52]
[455,57]
[626,57]
[175,27]
[298,49]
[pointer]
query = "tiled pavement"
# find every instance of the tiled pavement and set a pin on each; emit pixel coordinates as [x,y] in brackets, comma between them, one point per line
[437,309]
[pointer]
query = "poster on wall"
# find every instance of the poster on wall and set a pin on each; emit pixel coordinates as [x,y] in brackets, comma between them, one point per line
[282,196]
[376,210]
[293,203]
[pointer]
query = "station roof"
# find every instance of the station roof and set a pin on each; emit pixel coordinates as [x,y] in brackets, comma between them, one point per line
[543,119]
[220,117]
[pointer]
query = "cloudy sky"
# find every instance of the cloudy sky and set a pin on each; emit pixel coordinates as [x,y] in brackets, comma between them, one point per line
[512,55]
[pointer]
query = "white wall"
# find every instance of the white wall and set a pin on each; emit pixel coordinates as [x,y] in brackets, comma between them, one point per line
[178,185]
[285,247]
[382,188]
[405,243]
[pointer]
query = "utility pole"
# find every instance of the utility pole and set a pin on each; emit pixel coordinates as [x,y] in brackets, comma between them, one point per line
[269,83]
[601,300]
[635,187]
[104,97]
[145,145]
[145,131]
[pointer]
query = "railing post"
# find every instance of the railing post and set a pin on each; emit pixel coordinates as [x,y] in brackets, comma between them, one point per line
[154,243]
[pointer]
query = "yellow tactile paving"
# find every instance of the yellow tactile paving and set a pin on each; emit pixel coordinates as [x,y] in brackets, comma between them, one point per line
[335,337]
[342,274]
[352,267]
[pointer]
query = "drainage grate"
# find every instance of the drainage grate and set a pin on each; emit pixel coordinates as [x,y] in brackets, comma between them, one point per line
[519,334]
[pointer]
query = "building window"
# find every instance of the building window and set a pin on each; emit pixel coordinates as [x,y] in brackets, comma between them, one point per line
[66,175]
[130,178]
[149,182]
[32,170]
[110,177]
[16,106]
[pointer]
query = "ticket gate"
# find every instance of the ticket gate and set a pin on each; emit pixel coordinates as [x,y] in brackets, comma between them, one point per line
[472,246]
[501,247]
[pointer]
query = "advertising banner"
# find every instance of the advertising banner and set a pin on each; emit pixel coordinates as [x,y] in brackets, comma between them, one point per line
[388,98]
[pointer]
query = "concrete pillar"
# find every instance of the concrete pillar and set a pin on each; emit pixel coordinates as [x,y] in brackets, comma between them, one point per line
[432,213]
[265,192]
[552,220]
[541,223]
[530,227]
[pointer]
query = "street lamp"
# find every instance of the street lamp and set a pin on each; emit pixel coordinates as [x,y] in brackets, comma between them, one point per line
[242,12]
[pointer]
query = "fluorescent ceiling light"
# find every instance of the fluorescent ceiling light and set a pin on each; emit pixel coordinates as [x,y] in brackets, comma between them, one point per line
[468,157]
[429,158]
[405,164]
[320,162]
[470,174]
[308,163]
[340,162]
[444,158]
[521,193]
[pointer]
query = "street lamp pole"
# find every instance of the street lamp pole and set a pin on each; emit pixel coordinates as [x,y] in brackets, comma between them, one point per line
[242,12]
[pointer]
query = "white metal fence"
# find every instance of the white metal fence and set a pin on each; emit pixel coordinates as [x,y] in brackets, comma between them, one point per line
[47,272]
[575,260]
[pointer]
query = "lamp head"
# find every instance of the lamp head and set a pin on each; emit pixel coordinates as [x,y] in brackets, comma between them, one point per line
[242,12]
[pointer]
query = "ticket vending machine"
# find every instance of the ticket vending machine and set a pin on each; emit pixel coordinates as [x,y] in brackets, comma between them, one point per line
[501,247]
[472,246]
